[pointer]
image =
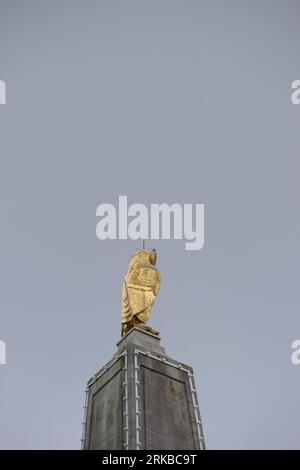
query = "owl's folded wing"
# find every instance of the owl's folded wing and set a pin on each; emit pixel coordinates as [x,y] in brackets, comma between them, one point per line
[126,309]
[142,285]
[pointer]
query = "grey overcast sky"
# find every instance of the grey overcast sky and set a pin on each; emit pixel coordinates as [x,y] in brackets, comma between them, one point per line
[162,101]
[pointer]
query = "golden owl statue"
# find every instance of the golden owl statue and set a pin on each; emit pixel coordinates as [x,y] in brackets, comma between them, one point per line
[140,288]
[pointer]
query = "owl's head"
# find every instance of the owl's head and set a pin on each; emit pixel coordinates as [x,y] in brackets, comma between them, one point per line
[143,256]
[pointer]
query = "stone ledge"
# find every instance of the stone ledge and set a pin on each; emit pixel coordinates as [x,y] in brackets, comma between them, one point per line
[143,339]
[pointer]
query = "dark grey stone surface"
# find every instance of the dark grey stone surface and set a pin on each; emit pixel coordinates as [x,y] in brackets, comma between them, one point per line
[104,409]
[142,399]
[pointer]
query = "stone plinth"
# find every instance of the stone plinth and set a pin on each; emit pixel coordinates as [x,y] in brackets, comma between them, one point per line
[142,399]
